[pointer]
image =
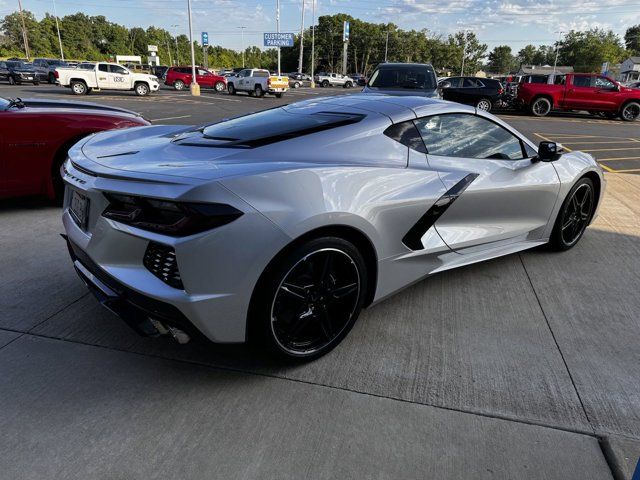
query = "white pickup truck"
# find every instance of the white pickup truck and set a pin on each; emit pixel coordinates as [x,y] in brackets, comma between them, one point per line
[334,79]
[257,82]
[106,76]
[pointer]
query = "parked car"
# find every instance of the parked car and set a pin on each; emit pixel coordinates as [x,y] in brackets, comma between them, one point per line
[403,79]
[482,93]
[180,78]
[634,85]
[257,82]
[581,91]
[17,72]
[106,76]
[37,134]
[46,67]
[359,78]
[232,234]
[297,80]
[159,70]
[334,80]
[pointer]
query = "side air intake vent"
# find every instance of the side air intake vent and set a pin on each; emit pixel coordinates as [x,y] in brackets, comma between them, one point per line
[161,261]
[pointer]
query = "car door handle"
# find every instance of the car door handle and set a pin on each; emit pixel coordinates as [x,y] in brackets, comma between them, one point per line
[570,90]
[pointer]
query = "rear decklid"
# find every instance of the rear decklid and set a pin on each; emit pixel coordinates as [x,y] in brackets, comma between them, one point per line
[278,81]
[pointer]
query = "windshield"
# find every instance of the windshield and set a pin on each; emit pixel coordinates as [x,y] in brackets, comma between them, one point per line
[56,63]
[417,77]
[4,103]
[19,65]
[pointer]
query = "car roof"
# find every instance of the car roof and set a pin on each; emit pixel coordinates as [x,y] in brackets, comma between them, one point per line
[400,64]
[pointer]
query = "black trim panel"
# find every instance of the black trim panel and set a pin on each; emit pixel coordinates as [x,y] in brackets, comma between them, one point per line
[413,237]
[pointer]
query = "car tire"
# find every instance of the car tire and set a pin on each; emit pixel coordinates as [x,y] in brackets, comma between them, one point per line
[258,92]
[574,216]
[178,85]
[308,299]
[484,104]
[142,89]
[325,83]
[541,107]
[296,85]
[348,85]
[79,87]
[51,78]
[12,81]
[36,83]
[219,87]
[231,89]
[279,95]
[630,111]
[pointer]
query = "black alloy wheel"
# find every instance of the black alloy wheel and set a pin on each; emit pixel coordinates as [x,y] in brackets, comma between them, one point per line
[541,107]
[310,301]
[574,216]
[630,112]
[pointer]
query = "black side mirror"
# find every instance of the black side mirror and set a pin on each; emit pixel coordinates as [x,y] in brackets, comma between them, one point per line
[548,151]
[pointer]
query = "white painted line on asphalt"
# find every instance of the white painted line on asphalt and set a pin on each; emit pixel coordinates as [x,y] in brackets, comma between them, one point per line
[168,118]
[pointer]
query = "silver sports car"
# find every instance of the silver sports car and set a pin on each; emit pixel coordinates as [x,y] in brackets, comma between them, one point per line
[280,226]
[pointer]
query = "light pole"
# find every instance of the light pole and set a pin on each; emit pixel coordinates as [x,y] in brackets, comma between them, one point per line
[301,40]
[177,49]
[25,38]
[166,39]
[313,42]
[278,30]
[195,88]
[242,45]
[464,51]
[555,62]
[386,47]
[55,13]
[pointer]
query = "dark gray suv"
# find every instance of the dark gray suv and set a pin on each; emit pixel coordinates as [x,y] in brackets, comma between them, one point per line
[403,79]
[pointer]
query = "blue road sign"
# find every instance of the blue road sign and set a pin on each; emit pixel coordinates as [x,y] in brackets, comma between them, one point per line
[205,39]
[278,39]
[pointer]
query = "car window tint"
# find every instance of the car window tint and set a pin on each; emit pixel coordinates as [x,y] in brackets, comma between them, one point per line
[468,136]
[103,68]
[407,134]
[469,83]
[117,69]
[581,81]
[260,73]
[605,83]
[410,77]
[201,71]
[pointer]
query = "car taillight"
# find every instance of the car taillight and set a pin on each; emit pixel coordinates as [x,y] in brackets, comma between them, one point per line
[175,219]
[500,91]
[269,81]
[56,74]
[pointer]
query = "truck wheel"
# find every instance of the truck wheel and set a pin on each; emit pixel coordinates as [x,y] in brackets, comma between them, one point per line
[52,78]
[484,104]
[348,85]
[78,87]
[36,83]
[630,112]
[219,86]
[178,85]
[142,89]
[258,91]
[325,83]
[541,107]
[231,89]
[296,85]
[12,81]
[279,95]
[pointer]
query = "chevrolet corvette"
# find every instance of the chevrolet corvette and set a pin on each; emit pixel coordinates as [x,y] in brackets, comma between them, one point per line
[279,227]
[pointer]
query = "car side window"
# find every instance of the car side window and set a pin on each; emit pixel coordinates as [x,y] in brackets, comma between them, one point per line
[468,136]
[604,83]
[103,67]
[202,71]
[469,83]
[117,69]
[582,81]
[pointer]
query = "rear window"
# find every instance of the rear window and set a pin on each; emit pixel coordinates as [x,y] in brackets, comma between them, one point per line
[271,126]
[260,73]
[413,77]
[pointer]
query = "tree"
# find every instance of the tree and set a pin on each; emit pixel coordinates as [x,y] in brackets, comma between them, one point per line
[465,45]
[527,55]
[587,51]
[501,60]
[632,39]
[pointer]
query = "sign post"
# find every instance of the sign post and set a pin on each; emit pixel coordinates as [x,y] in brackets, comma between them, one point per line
[205,47]
[345,42]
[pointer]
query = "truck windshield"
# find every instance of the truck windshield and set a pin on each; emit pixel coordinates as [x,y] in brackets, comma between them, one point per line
[270,126]
[396,77]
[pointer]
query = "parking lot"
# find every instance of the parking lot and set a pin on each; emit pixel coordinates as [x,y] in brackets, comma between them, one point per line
[522,367]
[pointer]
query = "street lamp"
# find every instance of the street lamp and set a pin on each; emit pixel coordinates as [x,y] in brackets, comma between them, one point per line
[555,62]
[177,49]
[313,41]
[242,44]
[58,28]
[195,88]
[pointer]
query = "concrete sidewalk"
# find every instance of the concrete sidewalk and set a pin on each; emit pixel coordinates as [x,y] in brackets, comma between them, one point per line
[523,367]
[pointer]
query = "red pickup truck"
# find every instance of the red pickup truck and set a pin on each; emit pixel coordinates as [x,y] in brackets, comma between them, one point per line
[581,91]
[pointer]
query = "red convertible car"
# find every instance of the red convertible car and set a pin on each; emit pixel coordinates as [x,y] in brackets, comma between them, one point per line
[36,134]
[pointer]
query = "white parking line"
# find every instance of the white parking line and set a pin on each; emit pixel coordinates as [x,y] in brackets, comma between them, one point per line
[168,118]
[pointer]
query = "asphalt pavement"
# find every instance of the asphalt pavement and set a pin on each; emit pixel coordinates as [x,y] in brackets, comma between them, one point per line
[523,367]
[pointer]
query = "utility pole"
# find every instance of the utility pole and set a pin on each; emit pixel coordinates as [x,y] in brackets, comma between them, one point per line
[55,13]
[278,30]
[386,47]
[25,38]
[301,40]
[313,41]
[195,88]
[242,30]
[345,46]
[464,51]
[177,49]
[166,40]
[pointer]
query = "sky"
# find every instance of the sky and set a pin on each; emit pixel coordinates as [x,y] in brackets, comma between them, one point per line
[496,22]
